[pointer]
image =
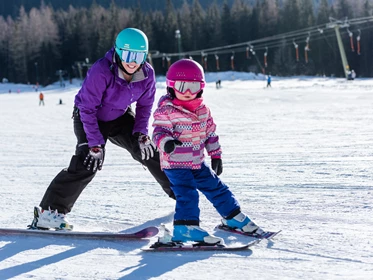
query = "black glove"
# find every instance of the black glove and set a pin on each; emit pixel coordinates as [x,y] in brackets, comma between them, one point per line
[147,147]
[95,158]
[217,165]
[170,146]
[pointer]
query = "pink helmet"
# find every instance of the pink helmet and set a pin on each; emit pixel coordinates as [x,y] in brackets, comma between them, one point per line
[185,70]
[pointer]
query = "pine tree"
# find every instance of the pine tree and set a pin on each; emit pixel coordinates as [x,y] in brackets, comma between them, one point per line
[343,9]
[307,18]
[5,35]
[185,26]
[170,27]
[290,16]
[18,44]
[197,19]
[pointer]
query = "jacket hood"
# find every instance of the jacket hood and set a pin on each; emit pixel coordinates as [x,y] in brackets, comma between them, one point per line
[165,100]
[110,54]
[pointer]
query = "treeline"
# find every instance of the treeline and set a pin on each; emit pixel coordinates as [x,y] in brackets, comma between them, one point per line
[38,43]
[12,7]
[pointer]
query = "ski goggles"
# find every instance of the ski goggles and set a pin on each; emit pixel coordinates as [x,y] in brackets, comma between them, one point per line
[184,86]
[131,56]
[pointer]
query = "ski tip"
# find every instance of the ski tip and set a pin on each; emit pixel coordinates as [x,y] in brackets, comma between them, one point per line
[272,234]
[147,232]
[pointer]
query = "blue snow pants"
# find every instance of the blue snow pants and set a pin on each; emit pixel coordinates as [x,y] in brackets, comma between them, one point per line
[186,182]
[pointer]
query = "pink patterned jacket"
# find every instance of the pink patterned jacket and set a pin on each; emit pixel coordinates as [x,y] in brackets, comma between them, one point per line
[194,128]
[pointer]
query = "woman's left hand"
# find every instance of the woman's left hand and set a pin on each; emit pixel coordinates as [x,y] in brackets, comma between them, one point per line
[147,147]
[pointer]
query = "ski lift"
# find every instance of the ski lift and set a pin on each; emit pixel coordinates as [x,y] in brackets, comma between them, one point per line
[168,62]
[217,62]
[232,61]
[202,57]
[358,41]
[252,50]
[247,52]
[351,39]
[265,57]
[307,47]
[205,62]
[296,50]
[163,60]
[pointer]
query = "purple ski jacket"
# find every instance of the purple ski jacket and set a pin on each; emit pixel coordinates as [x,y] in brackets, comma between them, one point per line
[105,96]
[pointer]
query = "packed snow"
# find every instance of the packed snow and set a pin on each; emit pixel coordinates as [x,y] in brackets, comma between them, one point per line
[298,157]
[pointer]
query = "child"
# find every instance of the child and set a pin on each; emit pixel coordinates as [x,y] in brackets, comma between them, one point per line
[183,128]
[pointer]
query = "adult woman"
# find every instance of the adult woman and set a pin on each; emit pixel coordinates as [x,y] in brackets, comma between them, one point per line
[102,111]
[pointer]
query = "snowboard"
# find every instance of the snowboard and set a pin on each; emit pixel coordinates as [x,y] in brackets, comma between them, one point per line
[264,235]
[113,236]
[187,247]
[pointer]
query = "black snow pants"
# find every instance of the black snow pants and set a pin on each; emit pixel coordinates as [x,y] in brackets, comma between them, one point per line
[66,187]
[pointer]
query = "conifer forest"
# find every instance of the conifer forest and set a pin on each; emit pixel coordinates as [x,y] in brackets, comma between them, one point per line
[281,37]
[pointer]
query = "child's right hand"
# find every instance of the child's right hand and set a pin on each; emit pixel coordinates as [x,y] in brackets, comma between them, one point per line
[217,165]
[170,146]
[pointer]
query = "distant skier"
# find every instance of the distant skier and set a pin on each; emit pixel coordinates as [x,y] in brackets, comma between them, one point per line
[218,84]
[41,98]
[349,75]
[183,129]
[103,112]
[269,79]
[353,75]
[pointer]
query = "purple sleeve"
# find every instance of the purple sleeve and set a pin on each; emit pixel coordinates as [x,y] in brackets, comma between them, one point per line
[91,94]
[144,104]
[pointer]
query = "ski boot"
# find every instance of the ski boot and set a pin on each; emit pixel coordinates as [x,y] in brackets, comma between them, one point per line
[242,223]
[185,233]
[49,219]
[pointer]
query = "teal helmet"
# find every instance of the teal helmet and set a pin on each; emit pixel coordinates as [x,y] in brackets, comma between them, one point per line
[131,45]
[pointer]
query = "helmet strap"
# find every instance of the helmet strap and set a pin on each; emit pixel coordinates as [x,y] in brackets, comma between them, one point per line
[171,92]
[199,95]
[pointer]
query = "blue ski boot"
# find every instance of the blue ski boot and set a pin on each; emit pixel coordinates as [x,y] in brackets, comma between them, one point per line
[243,223]
[184,233]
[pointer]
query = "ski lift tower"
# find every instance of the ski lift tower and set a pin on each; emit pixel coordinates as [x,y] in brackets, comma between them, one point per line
[337,24]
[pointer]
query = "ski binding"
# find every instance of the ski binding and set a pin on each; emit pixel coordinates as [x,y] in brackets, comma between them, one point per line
[199,246]
[264,235]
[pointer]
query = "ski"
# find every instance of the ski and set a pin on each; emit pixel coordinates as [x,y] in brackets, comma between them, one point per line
[113,236]
[264,235]
[178,246]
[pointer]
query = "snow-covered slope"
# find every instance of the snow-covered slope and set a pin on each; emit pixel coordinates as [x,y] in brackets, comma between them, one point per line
[298,157]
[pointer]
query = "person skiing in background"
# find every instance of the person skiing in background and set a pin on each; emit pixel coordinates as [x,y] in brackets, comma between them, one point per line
[269,79]
[218,84]
[183,129]
[349,75]
[41,98]
[103,111]
[353,74]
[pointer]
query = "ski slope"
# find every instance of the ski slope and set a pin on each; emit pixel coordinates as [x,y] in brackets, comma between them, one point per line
[298,156]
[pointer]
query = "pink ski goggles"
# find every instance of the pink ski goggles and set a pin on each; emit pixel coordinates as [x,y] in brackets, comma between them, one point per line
[183,86]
